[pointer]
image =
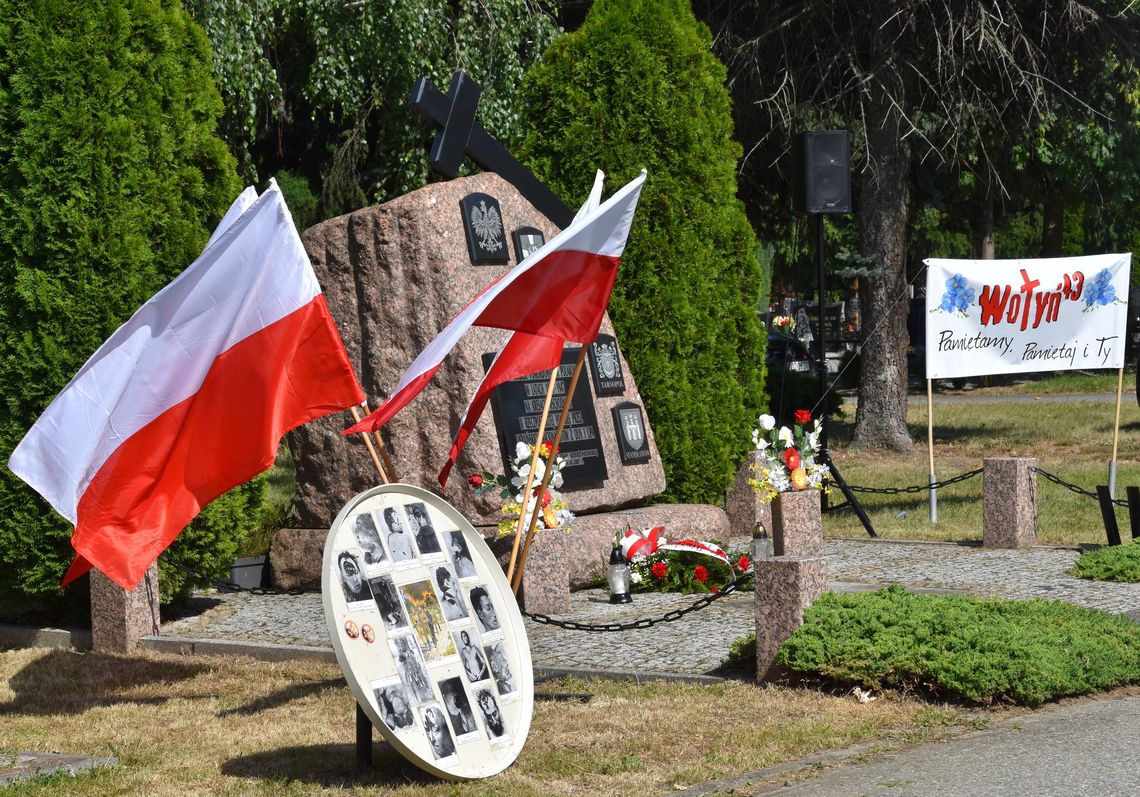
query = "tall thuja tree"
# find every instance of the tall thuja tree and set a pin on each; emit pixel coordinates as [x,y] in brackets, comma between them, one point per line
[112,180]
[322,88]
[637,86]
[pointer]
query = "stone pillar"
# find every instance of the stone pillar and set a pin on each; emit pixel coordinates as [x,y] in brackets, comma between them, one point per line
[120,617]
[1009,504]
[785,587]
[741,504]
[546,577]
[797,525]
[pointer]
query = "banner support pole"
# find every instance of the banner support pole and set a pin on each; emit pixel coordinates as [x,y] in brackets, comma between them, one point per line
[930,450]
[1115,435]
[356,416]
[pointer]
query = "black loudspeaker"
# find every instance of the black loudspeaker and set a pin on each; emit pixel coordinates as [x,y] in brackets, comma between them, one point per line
[821,176]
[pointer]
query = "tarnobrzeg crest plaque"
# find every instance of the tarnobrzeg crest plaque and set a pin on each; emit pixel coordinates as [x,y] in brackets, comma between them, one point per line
[427,632]
[517,407]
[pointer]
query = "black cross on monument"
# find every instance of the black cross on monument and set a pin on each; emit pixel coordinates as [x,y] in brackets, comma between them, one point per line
[462,135]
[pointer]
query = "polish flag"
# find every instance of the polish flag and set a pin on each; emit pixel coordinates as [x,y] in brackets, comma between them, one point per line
[191,396]
[559,291]
[521,355]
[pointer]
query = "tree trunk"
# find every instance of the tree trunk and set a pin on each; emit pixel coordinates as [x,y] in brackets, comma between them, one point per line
[880,420]
[984,229]
[1053,223]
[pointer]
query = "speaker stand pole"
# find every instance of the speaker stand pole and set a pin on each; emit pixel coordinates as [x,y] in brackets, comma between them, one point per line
[852,501]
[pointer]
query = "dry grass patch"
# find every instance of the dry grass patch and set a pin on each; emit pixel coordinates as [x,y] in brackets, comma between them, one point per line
[214,725]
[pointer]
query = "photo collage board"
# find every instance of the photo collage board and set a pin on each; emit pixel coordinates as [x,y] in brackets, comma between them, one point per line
[427,632]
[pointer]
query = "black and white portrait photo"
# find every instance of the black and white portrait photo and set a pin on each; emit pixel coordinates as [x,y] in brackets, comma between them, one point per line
[438,736]
[484,609]
[474,665]
[394,707]
[352,578]
[410,667]
[492,717]
[500,669]
[389,602]
[368,538]
[399,541]
[458,707]
[450,599]
[426,540]
[460,555]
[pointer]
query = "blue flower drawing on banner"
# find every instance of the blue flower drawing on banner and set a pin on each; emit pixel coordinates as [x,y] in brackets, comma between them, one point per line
[1100,290]
[958,297]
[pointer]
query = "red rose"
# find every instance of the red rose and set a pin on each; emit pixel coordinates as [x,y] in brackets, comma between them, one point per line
[546,498]
[713,589]
[743,562]
[803,416]
[475,480]
[792,458]
[659,570]
[700,573]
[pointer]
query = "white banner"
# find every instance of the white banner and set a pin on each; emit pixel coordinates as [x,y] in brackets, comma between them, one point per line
[1019,316]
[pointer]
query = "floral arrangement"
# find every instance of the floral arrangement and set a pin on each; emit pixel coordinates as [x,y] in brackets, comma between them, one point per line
[787,458]
[555,511]
[784,323]
[657,565]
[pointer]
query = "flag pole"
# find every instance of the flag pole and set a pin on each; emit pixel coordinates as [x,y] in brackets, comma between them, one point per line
[530,475]
[530,535]
[356,416]
[1115,436]
[930,449]
[388,466]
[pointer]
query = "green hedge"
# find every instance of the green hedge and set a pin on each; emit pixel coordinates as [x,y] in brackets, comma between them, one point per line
[1111,563]
[984,651]
[112,180]
[637,87]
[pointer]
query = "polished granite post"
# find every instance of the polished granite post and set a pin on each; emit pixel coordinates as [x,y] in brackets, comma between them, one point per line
[1009,503]
[785,587]
[120,617]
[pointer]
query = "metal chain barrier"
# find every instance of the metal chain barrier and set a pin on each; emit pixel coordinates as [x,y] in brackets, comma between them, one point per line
[228,586]
[921,488]
[1075,488]
[645,622]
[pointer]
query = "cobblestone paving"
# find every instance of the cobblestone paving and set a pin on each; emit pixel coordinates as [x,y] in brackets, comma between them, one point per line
[698,643]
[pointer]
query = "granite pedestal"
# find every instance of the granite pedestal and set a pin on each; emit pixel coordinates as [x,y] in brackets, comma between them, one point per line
[120,617]
[797,525]
[1009,504]
[785,587]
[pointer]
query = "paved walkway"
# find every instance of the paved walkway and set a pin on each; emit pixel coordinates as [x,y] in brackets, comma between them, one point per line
[697,644]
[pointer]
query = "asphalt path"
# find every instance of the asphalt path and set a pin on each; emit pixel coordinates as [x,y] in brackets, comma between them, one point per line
[1079,747]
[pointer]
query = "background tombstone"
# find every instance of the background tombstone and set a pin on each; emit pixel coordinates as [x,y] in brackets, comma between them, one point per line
[393,276]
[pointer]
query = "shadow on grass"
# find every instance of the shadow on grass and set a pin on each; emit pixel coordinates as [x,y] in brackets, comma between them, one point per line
[283,696]
[329,765]
[64,682]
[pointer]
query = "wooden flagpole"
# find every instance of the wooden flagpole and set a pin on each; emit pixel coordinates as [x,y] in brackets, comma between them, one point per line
[388,466]
[530,535]
[371,448]
[930,450]
[533,465]
[1115,436]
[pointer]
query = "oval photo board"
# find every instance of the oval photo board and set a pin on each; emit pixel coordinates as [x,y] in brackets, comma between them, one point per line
[427,632]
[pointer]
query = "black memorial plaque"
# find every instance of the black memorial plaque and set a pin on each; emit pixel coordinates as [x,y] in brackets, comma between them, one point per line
[527,240]
[633,442]
[483,224]
[606,367]
[517,407]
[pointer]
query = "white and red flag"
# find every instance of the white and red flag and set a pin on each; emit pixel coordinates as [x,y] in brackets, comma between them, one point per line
[191,396]
[558,293]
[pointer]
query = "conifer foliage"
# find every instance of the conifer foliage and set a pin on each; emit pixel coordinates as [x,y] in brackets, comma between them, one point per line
[637,87]
[112,179]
